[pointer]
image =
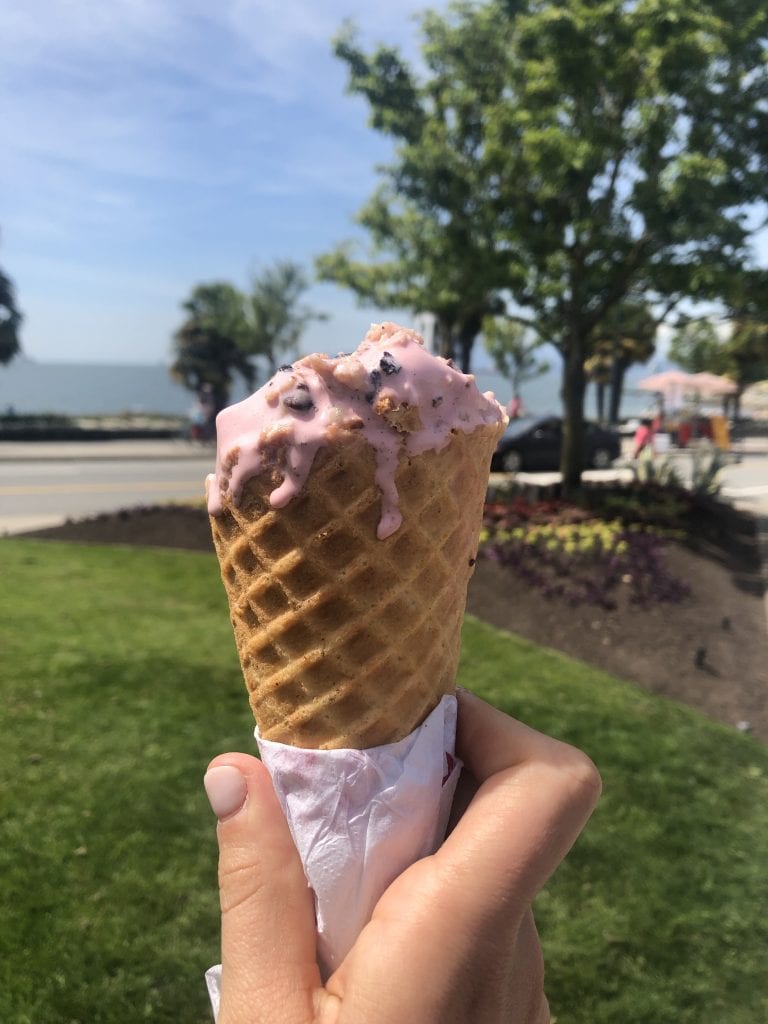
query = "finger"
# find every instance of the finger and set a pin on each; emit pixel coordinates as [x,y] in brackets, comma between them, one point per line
[269,970]
[470,902]
[535,796]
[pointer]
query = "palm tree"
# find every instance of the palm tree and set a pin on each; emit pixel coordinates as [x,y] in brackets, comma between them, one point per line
[276,321]
[628,337]
[210,346]
[598,369]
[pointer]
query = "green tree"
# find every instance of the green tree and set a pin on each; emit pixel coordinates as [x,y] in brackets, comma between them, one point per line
[747,346]
[741,354]
[275,317]
[745,354]
[418,263]
[599,151]
[514,350]
[746,351]
[211,347]
[10,321]
[697,347]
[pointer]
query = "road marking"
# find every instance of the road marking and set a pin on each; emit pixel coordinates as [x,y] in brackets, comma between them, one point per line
[111,488]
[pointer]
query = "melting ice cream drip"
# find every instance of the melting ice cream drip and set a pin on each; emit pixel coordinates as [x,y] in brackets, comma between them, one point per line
[400,397]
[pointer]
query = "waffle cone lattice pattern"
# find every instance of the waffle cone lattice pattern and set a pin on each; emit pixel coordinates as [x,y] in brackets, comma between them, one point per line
[346,640]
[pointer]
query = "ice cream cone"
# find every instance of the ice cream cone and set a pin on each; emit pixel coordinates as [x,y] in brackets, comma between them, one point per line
[346,639]
[345,509]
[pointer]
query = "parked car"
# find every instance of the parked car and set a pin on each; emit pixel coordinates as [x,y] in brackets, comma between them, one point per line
[534,443]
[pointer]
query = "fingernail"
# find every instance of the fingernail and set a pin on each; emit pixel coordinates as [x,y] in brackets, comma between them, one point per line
[226,789]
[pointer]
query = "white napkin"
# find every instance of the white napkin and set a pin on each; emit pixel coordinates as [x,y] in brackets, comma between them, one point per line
[359,818]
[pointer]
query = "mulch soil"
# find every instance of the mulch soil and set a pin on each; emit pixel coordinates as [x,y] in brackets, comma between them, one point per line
[709,650]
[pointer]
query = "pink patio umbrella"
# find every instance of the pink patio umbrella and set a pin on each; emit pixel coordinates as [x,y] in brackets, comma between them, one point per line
[709,384]
[675,384]
[672,384]
[667,381]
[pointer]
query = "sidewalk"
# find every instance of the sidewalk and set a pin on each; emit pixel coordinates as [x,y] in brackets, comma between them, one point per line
[750,446]
[48,451]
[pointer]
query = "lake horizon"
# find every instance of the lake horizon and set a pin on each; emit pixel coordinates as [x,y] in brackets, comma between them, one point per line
[29,387]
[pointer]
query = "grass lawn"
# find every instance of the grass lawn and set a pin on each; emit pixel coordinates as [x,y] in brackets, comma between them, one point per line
[119,681]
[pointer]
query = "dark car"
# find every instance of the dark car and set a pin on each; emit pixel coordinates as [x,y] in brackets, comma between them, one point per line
[534,443]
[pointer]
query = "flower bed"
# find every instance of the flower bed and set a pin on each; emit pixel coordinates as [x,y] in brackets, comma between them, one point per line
[571,553]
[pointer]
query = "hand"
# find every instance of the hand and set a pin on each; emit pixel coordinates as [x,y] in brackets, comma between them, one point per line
[452,940]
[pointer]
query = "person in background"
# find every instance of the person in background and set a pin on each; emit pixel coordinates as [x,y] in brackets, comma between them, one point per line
[202,415]
[657,422]
[643,438]
[515,407]
[197,420]
[207,405]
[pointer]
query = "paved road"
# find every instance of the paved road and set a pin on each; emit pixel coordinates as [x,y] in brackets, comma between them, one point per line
[43,484]
[42,490]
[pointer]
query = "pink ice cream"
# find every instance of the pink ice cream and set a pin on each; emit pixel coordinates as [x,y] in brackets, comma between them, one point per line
[402,398]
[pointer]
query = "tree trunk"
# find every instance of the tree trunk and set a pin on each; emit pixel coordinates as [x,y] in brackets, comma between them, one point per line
[574,384]
[465,350]
[467,334]
[219,400]
[618,371]
[600,400]
[445,341]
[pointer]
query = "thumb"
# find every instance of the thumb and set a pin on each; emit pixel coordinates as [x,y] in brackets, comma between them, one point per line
[269,968]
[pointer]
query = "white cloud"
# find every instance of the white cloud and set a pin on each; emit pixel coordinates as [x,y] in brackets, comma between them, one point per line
[277,36]
[108,85]
[281,31]
[44,31]
[133,127]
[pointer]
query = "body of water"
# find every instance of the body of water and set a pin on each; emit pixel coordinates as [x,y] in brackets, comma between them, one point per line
[82,389]
[109,389]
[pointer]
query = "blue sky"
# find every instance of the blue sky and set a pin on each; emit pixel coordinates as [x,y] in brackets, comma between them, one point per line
[149,145]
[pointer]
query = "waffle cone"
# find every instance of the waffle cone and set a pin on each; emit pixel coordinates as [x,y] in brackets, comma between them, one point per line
[346,640]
